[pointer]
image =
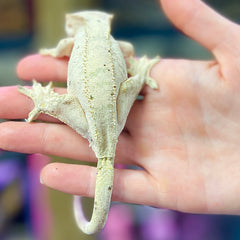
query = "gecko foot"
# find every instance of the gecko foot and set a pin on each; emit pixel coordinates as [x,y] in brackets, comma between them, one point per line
[44,98]
[142,66]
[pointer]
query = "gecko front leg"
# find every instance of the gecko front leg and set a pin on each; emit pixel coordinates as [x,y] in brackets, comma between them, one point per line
[63,49]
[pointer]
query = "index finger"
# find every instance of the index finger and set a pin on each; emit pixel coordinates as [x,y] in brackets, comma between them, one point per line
[203,24]
[43,68]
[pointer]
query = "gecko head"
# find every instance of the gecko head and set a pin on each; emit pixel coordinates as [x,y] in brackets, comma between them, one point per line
[78,19]
[73,22]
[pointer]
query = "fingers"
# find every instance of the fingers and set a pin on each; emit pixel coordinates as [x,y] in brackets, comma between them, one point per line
[46,138]
[15,105]
[43,68]
[201,23]
[55,139]
[134,186]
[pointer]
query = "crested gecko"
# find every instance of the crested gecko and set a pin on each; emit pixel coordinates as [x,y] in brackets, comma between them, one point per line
[101,88]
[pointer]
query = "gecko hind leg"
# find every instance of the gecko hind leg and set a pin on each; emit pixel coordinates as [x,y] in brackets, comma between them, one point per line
[44,99]
[143,66]
[63,107]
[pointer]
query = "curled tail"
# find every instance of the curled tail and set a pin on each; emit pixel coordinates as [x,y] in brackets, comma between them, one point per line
[102,200]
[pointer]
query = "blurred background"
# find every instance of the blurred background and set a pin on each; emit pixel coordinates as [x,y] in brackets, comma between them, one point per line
[29,211]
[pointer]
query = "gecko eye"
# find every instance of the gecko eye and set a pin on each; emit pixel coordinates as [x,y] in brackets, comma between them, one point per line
[70,29]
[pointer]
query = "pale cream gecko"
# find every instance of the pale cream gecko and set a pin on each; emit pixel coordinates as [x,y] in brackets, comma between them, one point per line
[100,92]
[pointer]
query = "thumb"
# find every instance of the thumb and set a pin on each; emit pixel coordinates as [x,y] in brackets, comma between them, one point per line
[202,24]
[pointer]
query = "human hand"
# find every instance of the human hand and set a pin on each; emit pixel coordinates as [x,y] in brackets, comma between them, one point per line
[185,136]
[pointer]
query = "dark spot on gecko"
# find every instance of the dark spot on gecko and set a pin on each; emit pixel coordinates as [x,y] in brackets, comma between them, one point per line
[91,97]
[109,188]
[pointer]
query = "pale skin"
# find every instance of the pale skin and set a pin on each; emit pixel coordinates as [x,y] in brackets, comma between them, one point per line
[185,135]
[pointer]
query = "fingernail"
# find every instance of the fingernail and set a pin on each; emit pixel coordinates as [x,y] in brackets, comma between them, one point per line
[41,181]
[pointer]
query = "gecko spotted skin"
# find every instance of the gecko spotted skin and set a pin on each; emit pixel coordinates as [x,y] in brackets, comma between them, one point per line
[100,92]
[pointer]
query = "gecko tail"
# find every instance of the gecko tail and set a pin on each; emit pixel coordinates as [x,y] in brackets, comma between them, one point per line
[102,200]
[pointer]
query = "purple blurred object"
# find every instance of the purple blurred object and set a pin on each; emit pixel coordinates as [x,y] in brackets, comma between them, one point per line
[119,225]
[9,171]
[40,211]
[198,227]
[159,225]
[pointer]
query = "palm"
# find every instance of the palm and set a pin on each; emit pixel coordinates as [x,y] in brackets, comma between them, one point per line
[186,137]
